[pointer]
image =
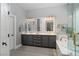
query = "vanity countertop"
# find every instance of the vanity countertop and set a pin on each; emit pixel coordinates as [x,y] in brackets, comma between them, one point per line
[52,33]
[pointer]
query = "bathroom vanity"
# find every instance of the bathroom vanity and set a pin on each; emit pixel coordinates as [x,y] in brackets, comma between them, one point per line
[41,40]
[39,32]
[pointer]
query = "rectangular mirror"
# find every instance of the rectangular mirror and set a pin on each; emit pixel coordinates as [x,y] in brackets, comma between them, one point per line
[30,25]
[50,23]
[49,26]
[38,24]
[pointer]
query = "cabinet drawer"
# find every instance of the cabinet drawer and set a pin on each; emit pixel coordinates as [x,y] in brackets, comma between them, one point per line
[37,41]
[36,36]
[37,44]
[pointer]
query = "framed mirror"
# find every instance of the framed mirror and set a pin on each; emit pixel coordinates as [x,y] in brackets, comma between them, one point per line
[38,24]
[30,25]
[49,25]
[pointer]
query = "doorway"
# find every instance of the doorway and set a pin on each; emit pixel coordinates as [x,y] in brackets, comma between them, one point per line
[12,30]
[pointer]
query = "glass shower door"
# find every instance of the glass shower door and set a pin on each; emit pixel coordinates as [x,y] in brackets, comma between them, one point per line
[76,28]
[73,28]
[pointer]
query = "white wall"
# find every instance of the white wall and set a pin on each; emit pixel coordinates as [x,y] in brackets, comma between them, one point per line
[20,16]
[0,29]
[60,12]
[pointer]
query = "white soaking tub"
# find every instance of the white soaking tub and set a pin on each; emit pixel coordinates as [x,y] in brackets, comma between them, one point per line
[65,47]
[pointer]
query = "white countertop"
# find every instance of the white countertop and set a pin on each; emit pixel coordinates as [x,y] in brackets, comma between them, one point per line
[51,33]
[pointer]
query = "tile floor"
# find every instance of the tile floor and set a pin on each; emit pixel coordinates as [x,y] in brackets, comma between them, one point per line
[33,51]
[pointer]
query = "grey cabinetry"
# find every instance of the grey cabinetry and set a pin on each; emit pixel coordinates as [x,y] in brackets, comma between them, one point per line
[52,41]
[29,40]
[45,41]
[39,40]
[26,40]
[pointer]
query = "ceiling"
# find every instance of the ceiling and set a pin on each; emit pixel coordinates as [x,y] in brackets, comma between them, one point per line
[32,6]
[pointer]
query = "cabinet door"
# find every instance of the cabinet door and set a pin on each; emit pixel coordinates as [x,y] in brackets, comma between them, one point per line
[30,40]
[24,39]
[52,41]
[45,41]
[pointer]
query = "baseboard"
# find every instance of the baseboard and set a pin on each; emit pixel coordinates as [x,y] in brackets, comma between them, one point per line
[18,46]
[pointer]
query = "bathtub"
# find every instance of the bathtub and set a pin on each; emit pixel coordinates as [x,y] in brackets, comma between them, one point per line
[67,49]
[62,50]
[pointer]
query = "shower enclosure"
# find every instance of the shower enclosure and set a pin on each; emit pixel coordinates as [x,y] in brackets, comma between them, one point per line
[73,28]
